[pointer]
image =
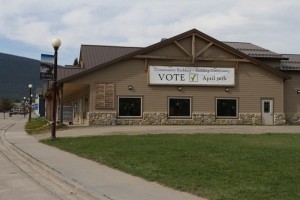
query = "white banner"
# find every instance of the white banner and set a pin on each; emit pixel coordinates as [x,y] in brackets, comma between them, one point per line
[179,75]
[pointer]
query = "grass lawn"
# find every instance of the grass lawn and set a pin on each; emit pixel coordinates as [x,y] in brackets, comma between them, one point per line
[36,125]
[220,166]
[39,125]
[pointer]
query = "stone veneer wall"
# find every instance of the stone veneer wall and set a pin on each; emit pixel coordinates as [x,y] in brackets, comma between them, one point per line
[279,119]
[98,118]
[293,118]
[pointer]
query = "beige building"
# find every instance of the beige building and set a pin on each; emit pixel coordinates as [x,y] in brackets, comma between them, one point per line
[190,78]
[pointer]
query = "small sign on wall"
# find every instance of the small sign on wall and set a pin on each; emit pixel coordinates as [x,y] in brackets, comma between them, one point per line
[105,95]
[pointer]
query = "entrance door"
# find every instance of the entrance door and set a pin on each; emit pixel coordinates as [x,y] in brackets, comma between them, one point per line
[267,112]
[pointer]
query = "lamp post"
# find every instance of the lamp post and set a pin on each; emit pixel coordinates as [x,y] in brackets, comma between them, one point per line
[56,44]
[30,101]
[24,107]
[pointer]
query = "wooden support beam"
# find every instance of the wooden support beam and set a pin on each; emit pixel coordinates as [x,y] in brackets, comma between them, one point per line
[162,57]
[193,48]
[236,66]
[183,49]
[186,58]
[204,49]
[224,59]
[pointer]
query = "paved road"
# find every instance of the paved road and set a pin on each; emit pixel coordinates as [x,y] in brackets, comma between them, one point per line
[18,180]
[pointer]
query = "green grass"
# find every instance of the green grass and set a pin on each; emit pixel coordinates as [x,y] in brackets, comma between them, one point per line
[39,125]
[211,166]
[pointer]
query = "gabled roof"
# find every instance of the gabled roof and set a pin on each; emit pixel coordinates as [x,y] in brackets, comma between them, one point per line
[63,72]
[292,64]
[254,50]
[95,61]
[94,55]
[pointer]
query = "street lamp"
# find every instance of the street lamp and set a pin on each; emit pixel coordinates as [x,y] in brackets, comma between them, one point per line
[24,107]
[56,44]
[30,101]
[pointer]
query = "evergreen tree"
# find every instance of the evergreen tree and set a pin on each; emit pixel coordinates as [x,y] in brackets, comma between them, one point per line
[76,61]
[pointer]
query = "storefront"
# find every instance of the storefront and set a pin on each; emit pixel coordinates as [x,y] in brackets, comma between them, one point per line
[191,78]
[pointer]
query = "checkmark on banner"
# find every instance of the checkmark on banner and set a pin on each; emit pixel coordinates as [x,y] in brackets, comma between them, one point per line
[193,77]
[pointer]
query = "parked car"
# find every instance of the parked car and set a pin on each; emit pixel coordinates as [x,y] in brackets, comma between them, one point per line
[16,111]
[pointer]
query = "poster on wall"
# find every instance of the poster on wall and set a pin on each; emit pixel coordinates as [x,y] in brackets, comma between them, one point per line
[180,75]
[46,67]
[105,95]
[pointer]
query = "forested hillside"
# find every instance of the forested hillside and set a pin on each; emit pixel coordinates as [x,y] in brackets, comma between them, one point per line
[15,74]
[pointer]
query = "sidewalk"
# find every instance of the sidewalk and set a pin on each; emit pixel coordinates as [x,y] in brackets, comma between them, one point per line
[74,131]
[88,179]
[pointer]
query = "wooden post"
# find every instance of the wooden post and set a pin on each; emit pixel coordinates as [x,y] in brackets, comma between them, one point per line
[146,65]
[193,48]
[236,66]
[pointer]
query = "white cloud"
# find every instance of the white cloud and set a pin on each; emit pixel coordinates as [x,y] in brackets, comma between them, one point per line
[272,24]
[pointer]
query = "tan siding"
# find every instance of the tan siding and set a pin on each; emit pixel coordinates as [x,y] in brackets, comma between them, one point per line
[252,84]
[189,63]
[200,44]
[255,83]
[291,98]
[73,91]
[187,44]
[169,50]
[216,52]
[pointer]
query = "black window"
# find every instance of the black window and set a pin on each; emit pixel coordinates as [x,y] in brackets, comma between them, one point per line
[130,106]
[179,107]
[227,108]
[267,107]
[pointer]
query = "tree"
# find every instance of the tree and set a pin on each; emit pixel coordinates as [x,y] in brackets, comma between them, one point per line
[5,105]
[76,61]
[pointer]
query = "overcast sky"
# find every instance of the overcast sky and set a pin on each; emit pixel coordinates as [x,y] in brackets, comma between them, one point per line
[28,26]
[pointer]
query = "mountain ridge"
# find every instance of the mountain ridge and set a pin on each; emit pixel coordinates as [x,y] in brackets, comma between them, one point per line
[16,73]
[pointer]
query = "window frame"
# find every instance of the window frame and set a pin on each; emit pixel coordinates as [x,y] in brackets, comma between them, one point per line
[227,117]
[180,117]
[130,97]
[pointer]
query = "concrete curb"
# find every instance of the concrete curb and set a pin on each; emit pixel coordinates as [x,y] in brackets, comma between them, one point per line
[71,186]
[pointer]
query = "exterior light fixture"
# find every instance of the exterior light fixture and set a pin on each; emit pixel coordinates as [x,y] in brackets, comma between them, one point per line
[30,101]
[130,87]
[56,44]
[24,107]
[226,89]
[179,88]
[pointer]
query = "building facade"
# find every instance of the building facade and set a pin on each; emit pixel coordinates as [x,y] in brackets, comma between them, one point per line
[190,78]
